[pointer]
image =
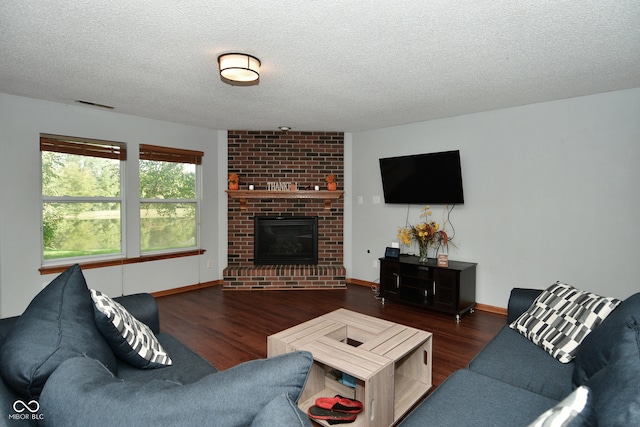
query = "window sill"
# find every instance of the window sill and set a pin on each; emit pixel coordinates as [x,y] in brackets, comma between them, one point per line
[120,261]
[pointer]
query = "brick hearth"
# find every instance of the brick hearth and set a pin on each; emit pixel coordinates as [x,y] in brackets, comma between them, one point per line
[284,277]
[304,158]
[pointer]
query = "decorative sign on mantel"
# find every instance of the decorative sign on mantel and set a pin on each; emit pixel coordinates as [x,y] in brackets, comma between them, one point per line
[278,186]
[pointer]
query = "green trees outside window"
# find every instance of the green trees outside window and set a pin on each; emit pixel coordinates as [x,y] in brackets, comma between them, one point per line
[83,198]
[81,205]
[168,205]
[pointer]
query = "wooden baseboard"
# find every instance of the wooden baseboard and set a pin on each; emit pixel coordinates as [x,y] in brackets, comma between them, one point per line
[491,309]
[186,288]
[360,282]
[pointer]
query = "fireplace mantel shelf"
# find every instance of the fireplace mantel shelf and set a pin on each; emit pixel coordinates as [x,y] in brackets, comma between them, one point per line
[243,195]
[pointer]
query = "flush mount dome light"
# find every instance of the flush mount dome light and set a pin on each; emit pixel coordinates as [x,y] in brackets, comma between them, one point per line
[239,67]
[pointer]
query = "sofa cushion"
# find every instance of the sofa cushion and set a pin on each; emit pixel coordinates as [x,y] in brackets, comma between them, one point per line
[15,417]
[6,324]
[8,397]
[574,410]
[512,358]
[284,410]
[130,339]
[82,392]
[57,325]
[467,398]
[616,389]
[561,317]
[188,367]
[596,349]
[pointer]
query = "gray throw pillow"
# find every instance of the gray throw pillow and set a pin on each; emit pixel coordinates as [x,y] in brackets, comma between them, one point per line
[574,410]
[284,411]
[82,392]
[561,317]
[57,325]
[130,339]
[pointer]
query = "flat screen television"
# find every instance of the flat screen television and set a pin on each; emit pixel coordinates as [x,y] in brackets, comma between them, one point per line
[432,178]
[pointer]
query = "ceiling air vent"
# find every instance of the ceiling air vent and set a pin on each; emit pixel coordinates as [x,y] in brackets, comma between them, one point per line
[93,104]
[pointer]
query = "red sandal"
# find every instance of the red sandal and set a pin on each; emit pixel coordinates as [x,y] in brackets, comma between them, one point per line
[331,417]
[340,404]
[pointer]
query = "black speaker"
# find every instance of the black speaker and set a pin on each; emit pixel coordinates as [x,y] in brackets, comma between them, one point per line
[392,253]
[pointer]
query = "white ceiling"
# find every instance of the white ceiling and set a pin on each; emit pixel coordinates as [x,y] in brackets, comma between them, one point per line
[326,64]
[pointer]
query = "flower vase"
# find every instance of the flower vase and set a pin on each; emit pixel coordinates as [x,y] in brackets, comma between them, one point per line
[424,249]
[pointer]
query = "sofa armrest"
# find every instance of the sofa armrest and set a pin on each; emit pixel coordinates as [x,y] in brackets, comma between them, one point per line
[6,324]
[144,308]
[519,301]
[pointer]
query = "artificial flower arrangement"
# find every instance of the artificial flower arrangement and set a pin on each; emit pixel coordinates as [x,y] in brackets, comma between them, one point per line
[427,233]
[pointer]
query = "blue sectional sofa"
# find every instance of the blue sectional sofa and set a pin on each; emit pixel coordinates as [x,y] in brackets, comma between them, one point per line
[58,370]
[513,382]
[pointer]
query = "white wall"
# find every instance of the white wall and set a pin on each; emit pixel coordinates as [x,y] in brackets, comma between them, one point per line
[21,122]
[551,193]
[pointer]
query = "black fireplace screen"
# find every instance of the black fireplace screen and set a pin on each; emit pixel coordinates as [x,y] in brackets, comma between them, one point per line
[285,240]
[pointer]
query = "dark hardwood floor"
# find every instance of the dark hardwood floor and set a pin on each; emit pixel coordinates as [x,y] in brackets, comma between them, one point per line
[231,327]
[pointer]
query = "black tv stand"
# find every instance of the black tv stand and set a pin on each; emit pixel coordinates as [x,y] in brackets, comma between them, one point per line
[449,289]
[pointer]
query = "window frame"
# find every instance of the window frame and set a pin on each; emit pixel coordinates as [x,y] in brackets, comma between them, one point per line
[173,155]
[90,148]
[51,142]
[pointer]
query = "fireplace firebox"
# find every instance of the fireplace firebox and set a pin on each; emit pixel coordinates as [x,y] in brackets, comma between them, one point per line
[285,240]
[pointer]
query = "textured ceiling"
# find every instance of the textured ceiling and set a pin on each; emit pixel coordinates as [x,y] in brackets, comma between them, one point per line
[326,64]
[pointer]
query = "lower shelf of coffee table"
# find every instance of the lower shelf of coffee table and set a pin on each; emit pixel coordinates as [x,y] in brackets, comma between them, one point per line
[304,406]
[406,391]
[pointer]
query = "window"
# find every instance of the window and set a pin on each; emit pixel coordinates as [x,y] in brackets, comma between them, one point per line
[82,213]
[83,198]
[169,198]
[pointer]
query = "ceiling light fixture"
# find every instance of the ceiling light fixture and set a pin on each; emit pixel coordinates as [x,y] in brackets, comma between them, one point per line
[284,128]
[239,67]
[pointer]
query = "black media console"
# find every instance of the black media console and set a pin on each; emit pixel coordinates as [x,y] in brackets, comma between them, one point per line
[449,289]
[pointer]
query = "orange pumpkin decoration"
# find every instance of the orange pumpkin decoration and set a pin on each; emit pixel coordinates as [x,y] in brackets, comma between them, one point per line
[332,185]
[234,183]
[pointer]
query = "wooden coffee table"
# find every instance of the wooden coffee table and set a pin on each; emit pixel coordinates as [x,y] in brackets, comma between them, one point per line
[391,363]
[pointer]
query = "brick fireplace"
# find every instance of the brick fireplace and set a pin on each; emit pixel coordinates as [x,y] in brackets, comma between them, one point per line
[304,158]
